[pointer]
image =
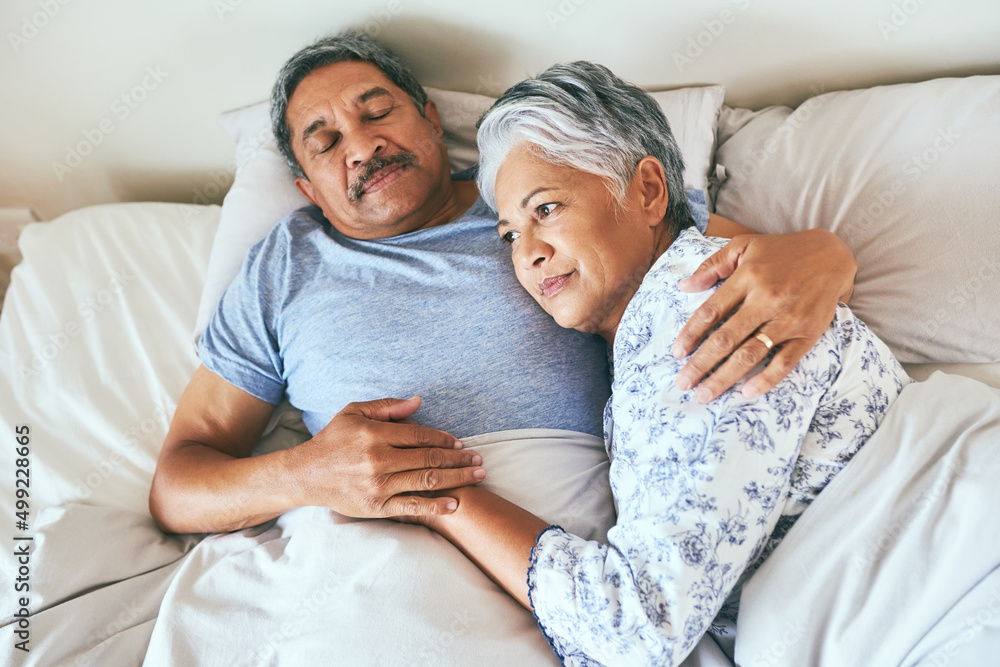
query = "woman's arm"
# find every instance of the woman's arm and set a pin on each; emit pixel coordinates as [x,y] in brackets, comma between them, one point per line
[494,533]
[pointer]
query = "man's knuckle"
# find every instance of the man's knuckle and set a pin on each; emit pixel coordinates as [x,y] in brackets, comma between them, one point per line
[433,458]
[745,357]
[784,365]
[708,312]
[698,364]
[415,434]
[376,481]
[430,479]
[779,294]
[371,505]
[723,340]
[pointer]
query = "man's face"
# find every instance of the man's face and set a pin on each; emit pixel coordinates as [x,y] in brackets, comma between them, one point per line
[375,166]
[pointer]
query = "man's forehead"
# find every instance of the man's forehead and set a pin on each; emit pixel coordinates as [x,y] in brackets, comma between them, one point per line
[348,82]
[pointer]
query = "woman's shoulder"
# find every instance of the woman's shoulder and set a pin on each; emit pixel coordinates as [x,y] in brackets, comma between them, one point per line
[659,306]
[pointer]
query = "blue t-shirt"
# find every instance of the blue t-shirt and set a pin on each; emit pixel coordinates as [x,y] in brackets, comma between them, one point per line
[326,320]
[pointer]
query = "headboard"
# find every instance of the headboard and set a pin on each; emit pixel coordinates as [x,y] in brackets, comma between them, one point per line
[109,100]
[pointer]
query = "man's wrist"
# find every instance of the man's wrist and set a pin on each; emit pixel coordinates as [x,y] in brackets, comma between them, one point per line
[296,491]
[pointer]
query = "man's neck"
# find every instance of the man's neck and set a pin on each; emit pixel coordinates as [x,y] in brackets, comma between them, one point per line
[463,196]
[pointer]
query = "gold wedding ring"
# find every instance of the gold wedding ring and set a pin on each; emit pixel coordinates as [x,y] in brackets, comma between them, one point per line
[762,337]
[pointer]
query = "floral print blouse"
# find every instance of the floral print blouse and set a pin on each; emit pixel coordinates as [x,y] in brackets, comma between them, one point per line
[703,492]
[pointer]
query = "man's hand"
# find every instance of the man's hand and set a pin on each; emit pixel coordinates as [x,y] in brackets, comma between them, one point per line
[371,457]
[786,287]
[206,480]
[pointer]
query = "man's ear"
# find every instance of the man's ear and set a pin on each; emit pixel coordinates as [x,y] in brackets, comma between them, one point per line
[305,186]
[651,181]
[434,118]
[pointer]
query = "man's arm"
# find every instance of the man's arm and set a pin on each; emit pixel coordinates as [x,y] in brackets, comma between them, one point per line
[361,464]
[785,286]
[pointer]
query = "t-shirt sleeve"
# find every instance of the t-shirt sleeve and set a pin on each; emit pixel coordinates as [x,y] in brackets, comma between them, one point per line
[240,342]
[699,208]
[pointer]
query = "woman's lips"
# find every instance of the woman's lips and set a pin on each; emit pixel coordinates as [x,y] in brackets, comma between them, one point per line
[552,286]
[383,178]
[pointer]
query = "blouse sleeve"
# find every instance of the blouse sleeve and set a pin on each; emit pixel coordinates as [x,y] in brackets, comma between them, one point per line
[699,490]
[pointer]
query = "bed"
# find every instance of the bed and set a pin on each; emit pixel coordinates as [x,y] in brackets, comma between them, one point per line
[97,342]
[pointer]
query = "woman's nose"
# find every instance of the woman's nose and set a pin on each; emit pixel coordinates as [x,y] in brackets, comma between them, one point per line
[532,252]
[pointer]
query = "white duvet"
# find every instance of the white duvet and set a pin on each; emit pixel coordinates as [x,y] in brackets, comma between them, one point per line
[108,588]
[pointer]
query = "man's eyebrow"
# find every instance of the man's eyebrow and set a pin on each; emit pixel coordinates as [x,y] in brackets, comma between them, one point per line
[377,91]
[313,127]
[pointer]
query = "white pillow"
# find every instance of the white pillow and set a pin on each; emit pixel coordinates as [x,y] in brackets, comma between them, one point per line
[94,346]
[906,175]
[264,192]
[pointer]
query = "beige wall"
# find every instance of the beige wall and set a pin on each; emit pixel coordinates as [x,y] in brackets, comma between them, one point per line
[142,83]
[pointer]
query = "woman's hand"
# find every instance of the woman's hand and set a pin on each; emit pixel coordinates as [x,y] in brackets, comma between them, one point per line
[785,286]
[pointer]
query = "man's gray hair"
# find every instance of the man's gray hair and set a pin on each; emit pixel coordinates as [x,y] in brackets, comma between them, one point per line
[581,115]
[346,45]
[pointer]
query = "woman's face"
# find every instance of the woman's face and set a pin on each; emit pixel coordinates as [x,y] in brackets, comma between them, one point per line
[579,258]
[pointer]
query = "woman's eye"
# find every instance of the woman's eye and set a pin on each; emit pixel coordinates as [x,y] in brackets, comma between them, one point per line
[510,237]
[545,210]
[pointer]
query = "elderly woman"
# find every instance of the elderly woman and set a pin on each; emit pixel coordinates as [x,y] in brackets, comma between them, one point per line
[586,177]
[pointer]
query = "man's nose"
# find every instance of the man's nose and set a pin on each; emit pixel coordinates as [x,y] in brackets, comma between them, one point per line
[363,146]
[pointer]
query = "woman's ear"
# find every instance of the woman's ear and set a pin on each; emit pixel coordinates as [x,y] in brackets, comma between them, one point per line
[651,181]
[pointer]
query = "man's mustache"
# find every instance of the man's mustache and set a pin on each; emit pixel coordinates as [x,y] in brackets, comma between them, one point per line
[373,166]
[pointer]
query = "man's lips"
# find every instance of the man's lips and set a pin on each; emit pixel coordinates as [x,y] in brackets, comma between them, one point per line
[549,287]
[383,178]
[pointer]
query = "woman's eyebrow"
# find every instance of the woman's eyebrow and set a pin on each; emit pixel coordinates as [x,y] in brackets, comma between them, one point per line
[527,197]
[524,202]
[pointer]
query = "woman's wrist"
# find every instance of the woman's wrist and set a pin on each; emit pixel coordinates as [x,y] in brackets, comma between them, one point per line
[437,522]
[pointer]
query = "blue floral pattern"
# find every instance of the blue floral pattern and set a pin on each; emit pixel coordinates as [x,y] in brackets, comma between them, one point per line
[700,489]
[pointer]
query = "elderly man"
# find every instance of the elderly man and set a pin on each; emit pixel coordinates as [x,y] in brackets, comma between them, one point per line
[395,284]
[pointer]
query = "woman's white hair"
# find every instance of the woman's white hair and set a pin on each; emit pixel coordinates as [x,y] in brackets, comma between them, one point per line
[581,115]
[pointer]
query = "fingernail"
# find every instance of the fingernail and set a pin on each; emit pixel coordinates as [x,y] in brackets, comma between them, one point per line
[750,391]
[703,395]
[476,459]
[678,352]
[479,473]
[458,444]
[452,505]
[684,382]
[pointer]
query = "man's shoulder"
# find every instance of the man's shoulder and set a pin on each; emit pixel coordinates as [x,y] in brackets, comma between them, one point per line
[295,228]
